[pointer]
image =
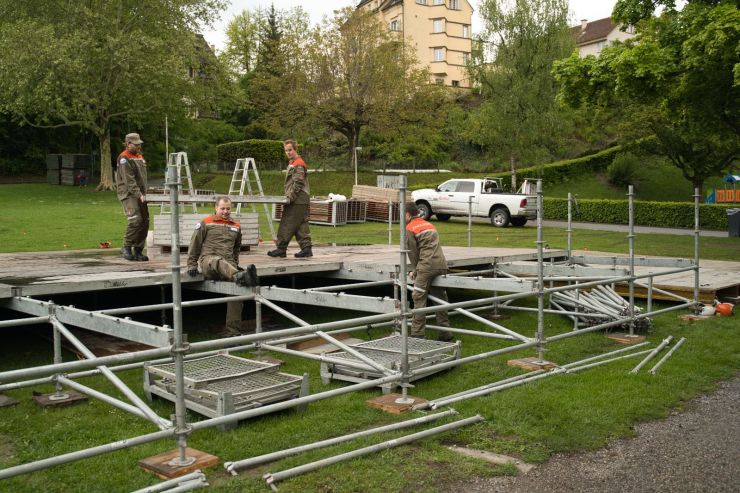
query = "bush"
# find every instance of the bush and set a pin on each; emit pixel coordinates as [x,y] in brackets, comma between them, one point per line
[662,214]
[560,171]
[266,153]
[623,170]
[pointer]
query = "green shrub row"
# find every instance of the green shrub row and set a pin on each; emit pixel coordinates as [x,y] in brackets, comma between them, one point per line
[560,171]
[662,214]
[267,154]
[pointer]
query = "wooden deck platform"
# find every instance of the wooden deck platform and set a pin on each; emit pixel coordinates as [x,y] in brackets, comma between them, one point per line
[48,273]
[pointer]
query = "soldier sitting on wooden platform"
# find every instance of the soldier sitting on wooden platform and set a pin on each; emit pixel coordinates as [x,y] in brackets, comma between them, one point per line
[214,247]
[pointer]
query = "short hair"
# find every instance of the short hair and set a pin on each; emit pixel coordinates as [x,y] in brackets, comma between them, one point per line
[292,142]
[222,198]
[412,209]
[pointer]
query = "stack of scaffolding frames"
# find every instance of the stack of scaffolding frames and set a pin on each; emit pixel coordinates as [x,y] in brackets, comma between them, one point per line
[223,384]
[387,352]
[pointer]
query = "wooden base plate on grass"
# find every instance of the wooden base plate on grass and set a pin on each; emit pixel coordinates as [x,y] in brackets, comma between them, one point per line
[6,401]
[626,338]
[531,364]
[388,403]
[160,464]
[48,400]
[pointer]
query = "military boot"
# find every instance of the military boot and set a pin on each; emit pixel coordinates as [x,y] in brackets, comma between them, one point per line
[139,254]
[127,254]
[278,252]
[305,252]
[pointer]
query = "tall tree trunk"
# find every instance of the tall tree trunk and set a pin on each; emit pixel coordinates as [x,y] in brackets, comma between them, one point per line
[106,171]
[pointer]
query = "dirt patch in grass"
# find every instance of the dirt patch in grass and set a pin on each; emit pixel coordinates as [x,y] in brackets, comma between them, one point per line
[7,449]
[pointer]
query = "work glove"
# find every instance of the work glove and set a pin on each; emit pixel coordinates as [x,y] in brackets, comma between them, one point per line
[192,271]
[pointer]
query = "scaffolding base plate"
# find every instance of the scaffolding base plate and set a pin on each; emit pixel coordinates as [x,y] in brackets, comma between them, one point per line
[626,338]
[531,364]
[6,401]
[388,403]
[47,400]
[160,464]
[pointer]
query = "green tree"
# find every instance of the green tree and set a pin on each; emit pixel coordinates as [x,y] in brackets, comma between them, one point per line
[358,77]
[519,118]
[90,64]
[680,74]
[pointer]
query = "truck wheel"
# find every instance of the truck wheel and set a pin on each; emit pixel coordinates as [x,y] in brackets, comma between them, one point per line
[443,217]
[425,212]
[500,217]
[518,221]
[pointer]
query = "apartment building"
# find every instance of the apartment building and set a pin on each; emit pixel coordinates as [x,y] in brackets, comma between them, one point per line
[592,37]
[439,31]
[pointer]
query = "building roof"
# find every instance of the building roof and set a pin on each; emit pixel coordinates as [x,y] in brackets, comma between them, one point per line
[594,31]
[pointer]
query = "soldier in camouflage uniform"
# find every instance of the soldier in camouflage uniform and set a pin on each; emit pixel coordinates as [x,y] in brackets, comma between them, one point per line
[427,261]
[295,214]
[130,177]
[215,247]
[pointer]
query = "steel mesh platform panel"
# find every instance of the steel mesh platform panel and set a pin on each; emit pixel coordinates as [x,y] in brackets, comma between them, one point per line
[201,371]
[416,346]
[249,390]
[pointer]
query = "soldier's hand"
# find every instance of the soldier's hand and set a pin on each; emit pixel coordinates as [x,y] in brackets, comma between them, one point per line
[143,198]
[193,271]
[412,275]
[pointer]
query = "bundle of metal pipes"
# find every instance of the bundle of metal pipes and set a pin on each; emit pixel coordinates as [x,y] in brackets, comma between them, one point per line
[604,300]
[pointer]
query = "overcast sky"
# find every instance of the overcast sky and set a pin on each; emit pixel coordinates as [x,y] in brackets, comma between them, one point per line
[580,9]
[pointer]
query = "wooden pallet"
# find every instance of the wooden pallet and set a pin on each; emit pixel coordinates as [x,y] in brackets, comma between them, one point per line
[378,211]
[377,194]
[320,211]
[163,236]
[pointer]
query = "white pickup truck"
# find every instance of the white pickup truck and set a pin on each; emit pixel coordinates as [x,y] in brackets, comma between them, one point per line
[489,200]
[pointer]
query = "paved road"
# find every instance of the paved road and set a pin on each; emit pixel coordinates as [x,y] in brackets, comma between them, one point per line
[697,450]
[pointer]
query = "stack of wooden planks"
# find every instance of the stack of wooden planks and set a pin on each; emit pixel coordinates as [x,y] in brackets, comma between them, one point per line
[379,200]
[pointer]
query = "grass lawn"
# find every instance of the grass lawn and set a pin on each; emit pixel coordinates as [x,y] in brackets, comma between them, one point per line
[559,414]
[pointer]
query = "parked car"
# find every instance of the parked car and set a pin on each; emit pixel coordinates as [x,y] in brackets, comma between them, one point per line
[451,198]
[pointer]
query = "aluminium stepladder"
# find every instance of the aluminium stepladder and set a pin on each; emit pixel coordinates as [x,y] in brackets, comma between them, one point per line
[241,179]
[180,160]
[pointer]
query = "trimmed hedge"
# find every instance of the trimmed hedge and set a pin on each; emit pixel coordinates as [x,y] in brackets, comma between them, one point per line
[661,214]
[560,171]
[266,153]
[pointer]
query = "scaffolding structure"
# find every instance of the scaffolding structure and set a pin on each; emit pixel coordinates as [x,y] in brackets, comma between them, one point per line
[172,352]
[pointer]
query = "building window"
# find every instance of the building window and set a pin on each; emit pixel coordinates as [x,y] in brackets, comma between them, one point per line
[438,2]
[421,2]
[439,54]
[456,83]
[394,25]
[439,82]
[438,25]
[630,30]
[455,4]
[466,30]
[601,45]
[466,58]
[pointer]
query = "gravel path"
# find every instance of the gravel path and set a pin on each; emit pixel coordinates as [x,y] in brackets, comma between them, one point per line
[697,450]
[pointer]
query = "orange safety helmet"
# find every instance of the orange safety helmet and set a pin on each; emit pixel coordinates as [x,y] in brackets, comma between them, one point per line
[724,309]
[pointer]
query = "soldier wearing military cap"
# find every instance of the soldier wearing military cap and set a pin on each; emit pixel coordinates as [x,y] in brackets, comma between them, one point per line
[130,176]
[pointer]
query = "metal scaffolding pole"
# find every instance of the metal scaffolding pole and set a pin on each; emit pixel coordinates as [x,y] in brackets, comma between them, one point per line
[569,229]
[117,382]
[666,356]
[631,237]
[404,308]
[233,467]
[540,336]
[272,478]
[652,354]
[696,250]
[179,345]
